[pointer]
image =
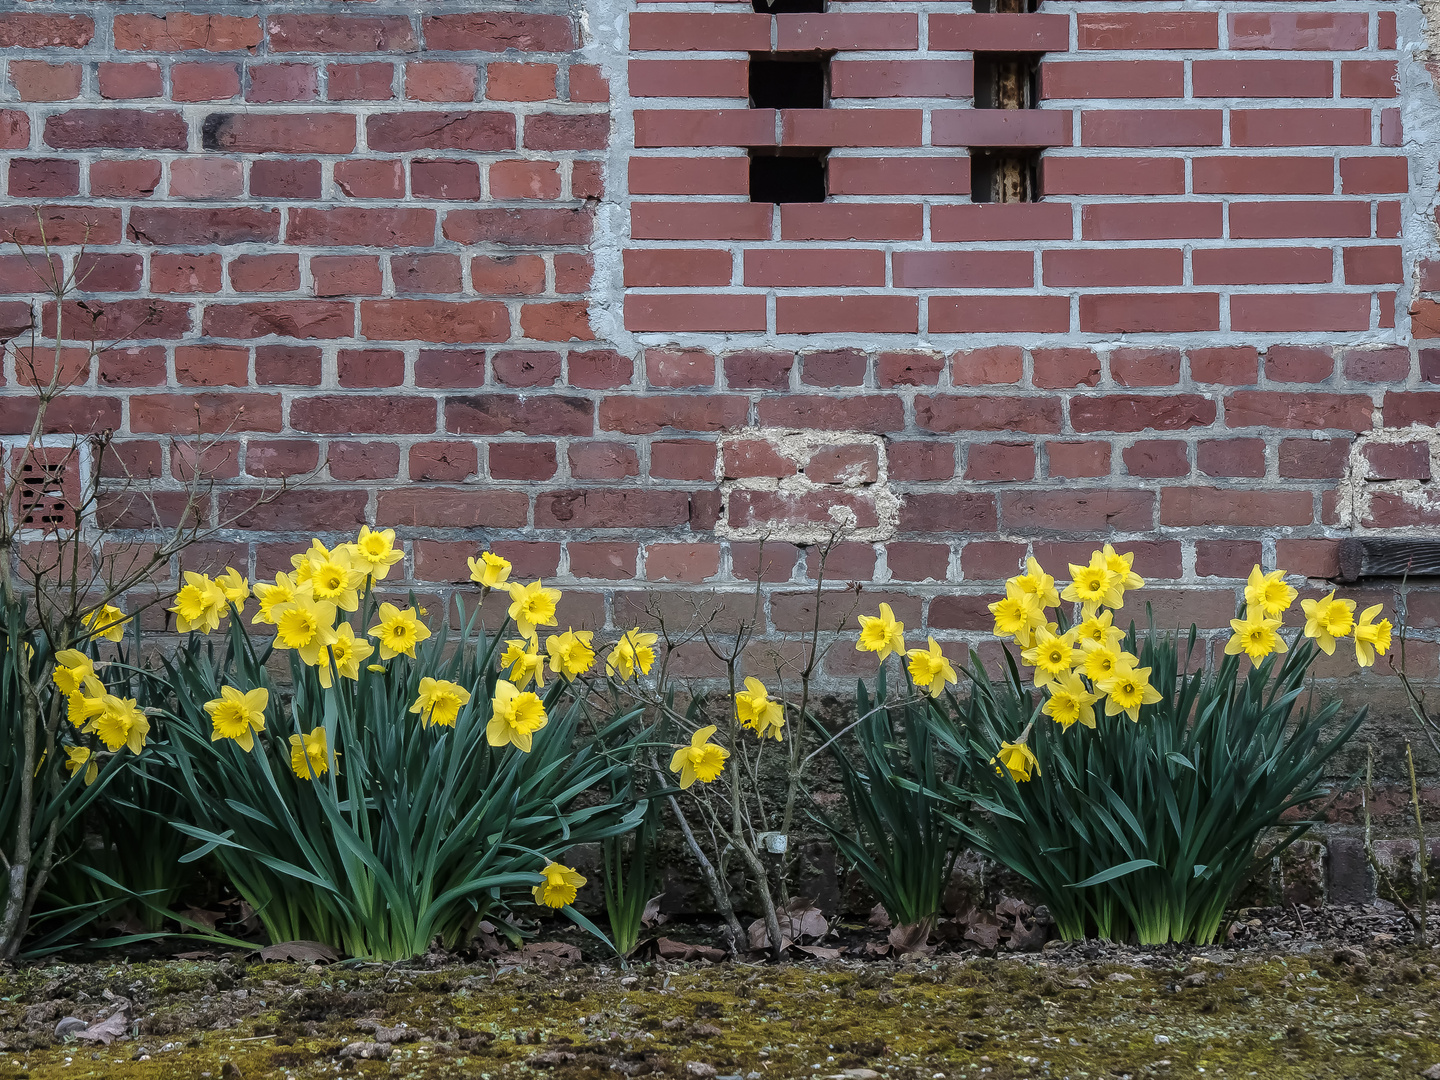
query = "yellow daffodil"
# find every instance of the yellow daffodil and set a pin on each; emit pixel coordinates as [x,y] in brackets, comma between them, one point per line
[107,621]
[1099,662]
[440,702]
[1051,656]
[559,887]
[1120,568]
[1371,638]
[310,754]
[532,605]
[304,562]
[489,570]
[929,668]
[1328,619]
[374,552]
[571,653]
[307,626]
[702,760]
[1070,701]
[1018,615]
[85,703]
[1037,583]
[398,632]
[119,722]
[1093,586]
[1126,690]
[515,716]
[72,668]
[199,605]
[272,596]
[335,578]
[755,709]
[234,586]
[1098,630]
[631,651]
[1268,592]
[525,661]
[346,652]
[1018,760]
[238,716]
[78,757]
[1255,635]
[881,634]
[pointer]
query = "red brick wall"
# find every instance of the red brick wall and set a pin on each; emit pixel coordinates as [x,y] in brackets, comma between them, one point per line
[496,275]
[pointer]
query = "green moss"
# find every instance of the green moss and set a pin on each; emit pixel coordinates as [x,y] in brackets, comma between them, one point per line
[1056,1015]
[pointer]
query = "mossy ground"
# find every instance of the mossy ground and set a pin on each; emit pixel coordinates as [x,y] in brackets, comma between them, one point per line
[1057,1014]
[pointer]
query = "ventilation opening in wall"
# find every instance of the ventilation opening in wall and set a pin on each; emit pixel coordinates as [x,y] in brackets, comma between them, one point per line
[788,178]
[1004,175]
[1006,7]
[788,7]
[47,487]
[788,81]
[1007,80]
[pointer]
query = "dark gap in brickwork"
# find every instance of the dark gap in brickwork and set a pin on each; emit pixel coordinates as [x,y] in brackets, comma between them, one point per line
[1001,7]
[788,7]
[1007,80]
[797,177]
[1004,175]
[789,81]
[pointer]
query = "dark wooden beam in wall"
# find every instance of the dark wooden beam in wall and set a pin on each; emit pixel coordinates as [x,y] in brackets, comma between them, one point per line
[1376,558]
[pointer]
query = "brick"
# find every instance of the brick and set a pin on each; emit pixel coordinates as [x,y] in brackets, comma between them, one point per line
[682,562]
[852,127]
[607,561]
[1227,559]
[999,314]
[1003,33]
[601,369]
[24,30]
[430,179]
[875,413]
[689,78]
[704,314]
[498,414]
[678,31]
[689,176]
[524,180]
[360,82]
[1152,221]
[833,31]
[1251,175]
[518,82]
[371,179]
[274,458]
[206,178]
[370,369]
[893,78]
[212,365]
[434,320]
[62,225]
[682,459]
[746,458]
[1139,412]
[1309,410]
[35,80]
[522,461]
[844,221]
[265,273]
[1374,175]
[520,227]
[1262,266]
[345,275]
[1184,507]
[1373,266]
[175,273]
[601,509]
[443,462]
[1231,457]
[180,31]
[279,133]
[475,130]
[1113,176]
[1298,363]
[1158,30]
[834,367]
[1098,511]
[43,178]
[1127,266]
[1294,218]
[441,80]
[425,273]
[1156,459]
[1145,367]
[329,34]
[921,460]
[758,370]
[1311,30]
[679,267]
[287,365]
[181,225]
[283,82]
[1262,78]
[116,129]
[588,84]
[988,462]
[204,82]
[859,314]
[1300,311]
[119,82]
[1151,127]
[1404,409]
[1377,363]
[707,127]
[1299,127]
[560,131]
[1085,79]
[508,275]
[909,369]
[1398,461]
[812,267]
[285,179]
[380,414]
[675,368]
[1001,221]
[352,461]
[498,31]
[898,176]
[1147,312]
[978,412]
[602,460]
[441,507]
[213,412]
[1073,460]
[289,318]
[523,368]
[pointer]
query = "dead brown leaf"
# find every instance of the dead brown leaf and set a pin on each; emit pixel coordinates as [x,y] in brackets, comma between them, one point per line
[819,952]
[303,952]
[108,1030]
[912,940]
[550,954]
[670,949]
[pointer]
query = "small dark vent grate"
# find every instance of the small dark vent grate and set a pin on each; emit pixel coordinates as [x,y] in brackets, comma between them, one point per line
[47,489]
